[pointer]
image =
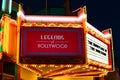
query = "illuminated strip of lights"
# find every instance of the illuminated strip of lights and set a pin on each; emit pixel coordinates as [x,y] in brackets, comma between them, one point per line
[25,67]
[91,27]
[10,6]
[3,5]
[54,18]
[51,18]
[64,71]
[100,64]
[52,24]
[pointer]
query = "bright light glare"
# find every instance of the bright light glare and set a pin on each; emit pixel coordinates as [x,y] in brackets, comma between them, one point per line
[20,13]
[107,35]
[54,18]
[3,5]
[50,18]
[35,18]
[10,6]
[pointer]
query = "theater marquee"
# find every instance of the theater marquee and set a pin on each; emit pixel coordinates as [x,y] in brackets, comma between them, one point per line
[51,42]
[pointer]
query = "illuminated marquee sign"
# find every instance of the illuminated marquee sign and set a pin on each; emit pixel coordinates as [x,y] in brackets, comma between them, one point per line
[37,41]
[96,49]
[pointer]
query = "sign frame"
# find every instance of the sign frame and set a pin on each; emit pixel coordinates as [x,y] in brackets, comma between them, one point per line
[57,59]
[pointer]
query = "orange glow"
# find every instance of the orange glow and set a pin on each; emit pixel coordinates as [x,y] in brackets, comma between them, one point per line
[5,34]
[100,64]
[0,55]
[9,36]
[12,39]
[74,78]
[65,25]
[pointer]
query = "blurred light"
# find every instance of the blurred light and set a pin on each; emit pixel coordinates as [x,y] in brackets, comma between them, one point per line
[108,35]
[64,19]
[0,55]
[21,14]
[10,6]
[53,18]
[3,5]
[7,6]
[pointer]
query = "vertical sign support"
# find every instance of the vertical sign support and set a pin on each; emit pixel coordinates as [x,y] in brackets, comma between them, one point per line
[18,32]
[83,11]
[108,35]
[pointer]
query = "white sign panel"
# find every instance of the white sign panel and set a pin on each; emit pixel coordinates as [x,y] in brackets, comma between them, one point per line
[96,49]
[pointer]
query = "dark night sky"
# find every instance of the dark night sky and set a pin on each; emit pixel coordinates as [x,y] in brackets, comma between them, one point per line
[105,14]
[102,14]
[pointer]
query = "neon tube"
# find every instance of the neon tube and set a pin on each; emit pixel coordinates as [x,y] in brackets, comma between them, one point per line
[3,5]
[54,18]
[10,6]
[64,19]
